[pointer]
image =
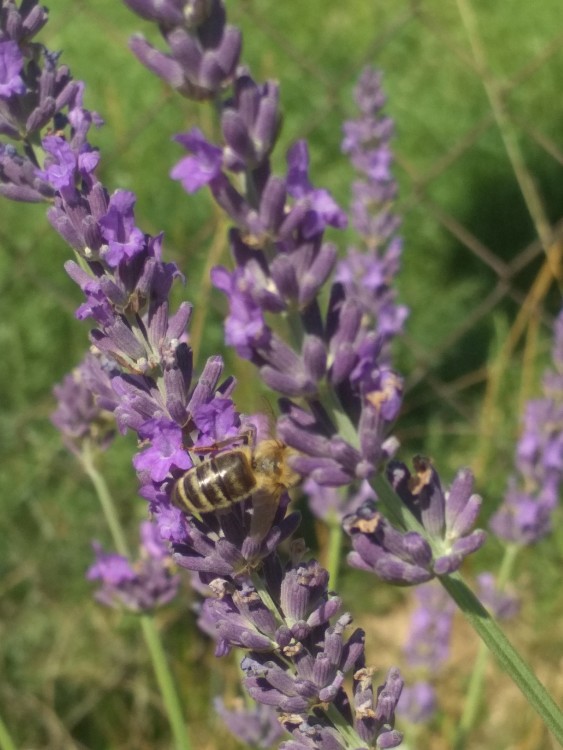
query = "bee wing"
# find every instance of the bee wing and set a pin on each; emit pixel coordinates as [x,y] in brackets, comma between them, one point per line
[264,507]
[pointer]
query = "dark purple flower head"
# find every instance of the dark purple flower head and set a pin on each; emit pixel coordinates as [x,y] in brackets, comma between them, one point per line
[447,517]
[141,586]
[374,715]
[203,51]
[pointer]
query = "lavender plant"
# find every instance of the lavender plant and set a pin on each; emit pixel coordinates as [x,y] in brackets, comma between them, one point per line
[317,332]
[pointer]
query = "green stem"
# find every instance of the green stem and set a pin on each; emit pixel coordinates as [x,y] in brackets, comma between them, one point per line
[477,678]
[162,671]
[508,658]
[334,549]
[106,501]
[6,742]
[166,684]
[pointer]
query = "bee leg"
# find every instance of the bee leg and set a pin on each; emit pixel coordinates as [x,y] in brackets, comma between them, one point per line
[264,507]
[248,437]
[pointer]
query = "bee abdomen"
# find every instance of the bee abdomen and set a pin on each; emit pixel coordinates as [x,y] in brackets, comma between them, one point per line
[216,483]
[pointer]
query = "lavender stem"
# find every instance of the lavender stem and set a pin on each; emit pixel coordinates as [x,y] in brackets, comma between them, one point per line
[477,677]
[162,671]
[86,458]
[166,683]
[508,658]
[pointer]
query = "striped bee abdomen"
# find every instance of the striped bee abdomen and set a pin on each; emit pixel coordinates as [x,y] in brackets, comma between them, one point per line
[216,483]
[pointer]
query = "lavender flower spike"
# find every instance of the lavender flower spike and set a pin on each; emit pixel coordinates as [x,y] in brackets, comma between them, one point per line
[368,275]
[141,586]
[86,402]
[447,517]
[525,515]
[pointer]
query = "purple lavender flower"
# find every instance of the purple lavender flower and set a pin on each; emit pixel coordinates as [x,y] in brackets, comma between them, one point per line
[298,656]
[257,726]
[282,262]
[447,518]
[204,51]
[367,276]
[85,405]
[11,64]
[141,586]
[417,703]
[297,659]
[35,94]
[525,515]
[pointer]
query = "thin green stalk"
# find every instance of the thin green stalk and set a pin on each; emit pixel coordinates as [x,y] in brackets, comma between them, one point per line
[166,684]
[162,671]
[6,742]
[477,678]
[106,501]
[508,658]
[334,549]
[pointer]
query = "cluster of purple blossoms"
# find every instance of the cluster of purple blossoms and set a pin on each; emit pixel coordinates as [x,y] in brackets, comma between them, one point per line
[297,659]
[281,259]
[525,515]
[446,520]
[368,273]
[85,405]
[336,364]
[142,586]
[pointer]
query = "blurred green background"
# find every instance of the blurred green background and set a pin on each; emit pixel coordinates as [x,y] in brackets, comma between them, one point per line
[475,275]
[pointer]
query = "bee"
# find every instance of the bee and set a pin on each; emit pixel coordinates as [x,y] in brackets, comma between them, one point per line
[258,471]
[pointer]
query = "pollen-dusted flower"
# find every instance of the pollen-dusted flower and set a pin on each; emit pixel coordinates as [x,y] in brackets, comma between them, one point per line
[447,517]
[139,586]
